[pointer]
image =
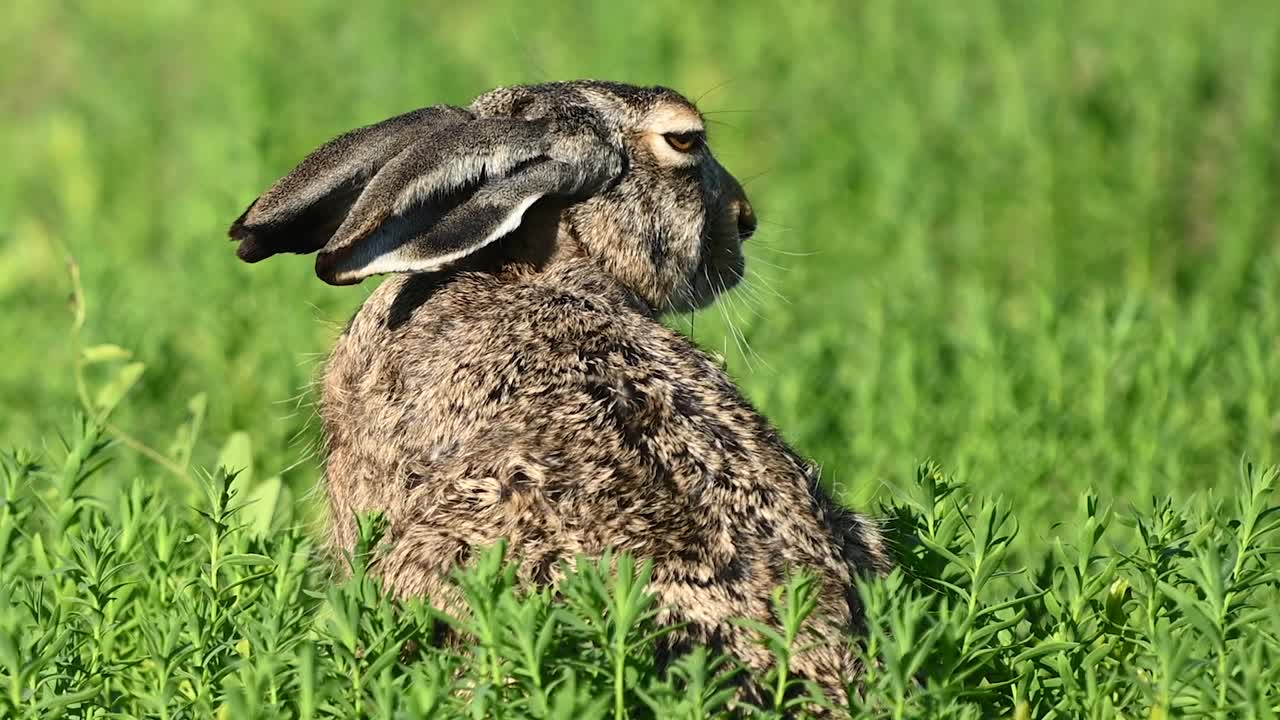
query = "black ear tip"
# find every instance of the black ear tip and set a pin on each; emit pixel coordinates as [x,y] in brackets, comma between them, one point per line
[250,250]
[328,271]
[238,230]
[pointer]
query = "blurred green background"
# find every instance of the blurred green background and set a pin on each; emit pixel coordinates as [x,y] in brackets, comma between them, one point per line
[1033,241]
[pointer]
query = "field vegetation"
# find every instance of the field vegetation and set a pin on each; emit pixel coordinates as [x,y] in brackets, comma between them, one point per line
[1016,290]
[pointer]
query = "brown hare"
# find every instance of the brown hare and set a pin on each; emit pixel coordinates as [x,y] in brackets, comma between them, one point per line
[513,380]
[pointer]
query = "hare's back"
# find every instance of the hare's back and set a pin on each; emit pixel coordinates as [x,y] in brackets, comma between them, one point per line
[549,384]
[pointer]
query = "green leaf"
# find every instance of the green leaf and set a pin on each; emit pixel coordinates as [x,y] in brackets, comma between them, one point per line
[237,456]
[110,394]
[264,503]
[188,433]
[1193,613]
[1045,648]
[246,559]
[104,353]
[58,702]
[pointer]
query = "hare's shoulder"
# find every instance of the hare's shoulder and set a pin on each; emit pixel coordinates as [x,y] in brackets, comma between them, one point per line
[489,338]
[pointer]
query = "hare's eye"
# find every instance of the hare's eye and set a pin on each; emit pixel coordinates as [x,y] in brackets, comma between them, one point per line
[684,141]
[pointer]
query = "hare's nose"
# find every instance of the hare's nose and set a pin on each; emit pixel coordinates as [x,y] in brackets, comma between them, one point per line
[746,219]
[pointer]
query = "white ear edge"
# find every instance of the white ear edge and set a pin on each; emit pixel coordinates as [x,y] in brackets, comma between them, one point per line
[397,260]
[512,220]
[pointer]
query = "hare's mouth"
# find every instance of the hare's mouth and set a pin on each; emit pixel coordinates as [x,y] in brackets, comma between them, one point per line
[721,268]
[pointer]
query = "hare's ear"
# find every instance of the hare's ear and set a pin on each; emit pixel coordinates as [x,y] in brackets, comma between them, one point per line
[414,197]
[300,212]
[460,188]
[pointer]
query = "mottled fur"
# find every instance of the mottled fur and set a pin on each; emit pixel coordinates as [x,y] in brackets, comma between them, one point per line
[526,390]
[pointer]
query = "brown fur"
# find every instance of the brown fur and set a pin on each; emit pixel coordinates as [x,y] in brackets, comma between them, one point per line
[528,392]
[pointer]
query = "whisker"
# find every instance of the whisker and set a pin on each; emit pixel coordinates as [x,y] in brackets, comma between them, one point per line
[751,301]
[764,283]
[713,89]
[733,308]
[745,181]
[775,224]
[737,341]
[743,289]
[789,253]
[720,307]
[713,121]
[739,338]
[775,266]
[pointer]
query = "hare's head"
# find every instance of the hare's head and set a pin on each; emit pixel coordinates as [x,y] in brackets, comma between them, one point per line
[624,171]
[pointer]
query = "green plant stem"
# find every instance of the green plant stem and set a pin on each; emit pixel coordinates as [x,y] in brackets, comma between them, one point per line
[82,389]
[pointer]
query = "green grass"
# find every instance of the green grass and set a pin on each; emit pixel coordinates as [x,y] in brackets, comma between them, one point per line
[132,606]
[1037,243]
